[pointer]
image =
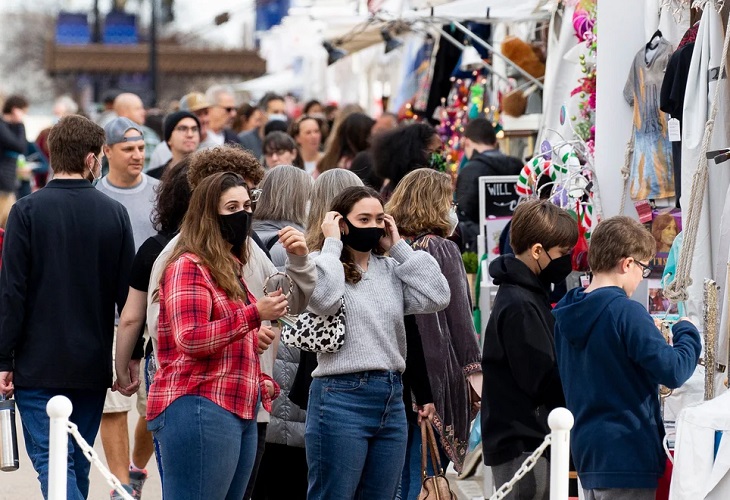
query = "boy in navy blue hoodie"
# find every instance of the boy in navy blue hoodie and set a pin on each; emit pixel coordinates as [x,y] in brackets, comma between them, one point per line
[612,358]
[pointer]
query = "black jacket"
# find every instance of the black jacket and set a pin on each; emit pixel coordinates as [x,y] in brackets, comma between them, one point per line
[66,262]
[12,144]
[521,381]
[492,162]
[230,137]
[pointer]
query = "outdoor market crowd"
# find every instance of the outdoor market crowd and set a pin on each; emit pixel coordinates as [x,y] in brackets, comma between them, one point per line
[166,259]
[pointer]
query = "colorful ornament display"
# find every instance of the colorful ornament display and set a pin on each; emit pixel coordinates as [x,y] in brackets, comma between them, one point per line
[465,102]
[558,170]
[584,23]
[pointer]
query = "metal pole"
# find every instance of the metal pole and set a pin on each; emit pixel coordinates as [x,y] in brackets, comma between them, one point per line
[59,409]
[560,421]
[96,38]
[461,46]
[153,72]
[509,61]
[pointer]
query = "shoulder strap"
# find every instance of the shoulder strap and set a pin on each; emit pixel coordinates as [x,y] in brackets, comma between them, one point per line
[272,241]
[428,442]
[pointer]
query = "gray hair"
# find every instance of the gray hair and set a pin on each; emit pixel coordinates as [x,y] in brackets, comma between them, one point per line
[285,192]
[215,91]
[69,105]
[327,186]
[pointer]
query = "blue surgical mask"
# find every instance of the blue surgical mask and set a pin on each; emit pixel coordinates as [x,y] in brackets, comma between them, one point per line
[281,117]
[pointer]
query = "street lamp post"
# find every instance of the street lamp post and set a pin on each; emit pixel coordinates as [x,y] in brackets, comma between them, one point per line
[153,71]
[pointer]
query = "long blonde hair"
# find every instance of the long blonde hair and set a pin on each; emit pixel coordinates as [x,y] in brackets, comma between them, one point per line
[326,187]
[200,234]
[420,203]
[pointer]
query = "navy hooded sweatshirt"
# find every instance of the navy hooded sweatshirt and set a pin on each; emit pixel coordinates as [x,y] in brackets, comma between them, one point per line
[521,380]
[612,359]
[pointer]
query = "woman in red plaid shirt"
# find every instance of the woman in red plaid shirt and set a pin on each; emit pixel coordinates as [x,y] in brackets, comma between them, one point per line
[202,404]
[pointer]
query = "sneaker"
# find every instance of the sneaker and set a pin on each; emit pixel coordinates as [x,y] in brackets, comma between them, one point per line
[116,496]
[137,477]
[471,462]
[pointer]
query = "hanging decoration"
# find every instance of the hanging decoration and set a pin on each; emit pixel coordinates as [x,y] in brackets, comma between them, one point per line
[563,173]
[466,101]
[584,23]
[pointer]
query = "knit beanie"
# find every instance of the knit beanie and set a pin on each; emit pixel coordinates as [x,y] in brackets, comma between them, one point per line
[173,119]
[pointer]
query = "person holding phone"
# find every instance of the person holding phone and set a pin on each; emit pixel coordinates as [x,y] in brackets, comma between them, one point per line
[356,430]
[203,402]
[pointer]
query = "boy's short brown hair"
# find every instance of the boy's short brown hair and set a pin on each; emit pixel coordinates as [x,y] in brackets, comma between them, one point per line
[616,238]
[539,221]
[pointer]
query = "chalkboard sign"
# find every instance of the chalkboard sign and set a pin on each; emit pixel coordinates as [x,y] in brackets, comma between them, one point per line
[497,196]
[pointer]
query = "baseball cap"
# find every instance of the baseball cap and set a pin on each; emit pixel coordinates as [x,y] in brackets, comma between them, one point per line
[115,130]
[194,101]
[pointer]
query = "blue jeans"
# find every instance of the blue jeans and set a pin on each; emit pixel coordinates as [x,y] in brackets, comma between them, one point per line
[412,478]
[355,436]
[207,451]
[87,408]
[150,368]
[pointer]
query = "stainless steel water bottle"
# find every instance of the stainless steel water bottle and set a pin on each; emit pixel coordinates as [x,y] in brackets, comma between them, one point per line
[8,436]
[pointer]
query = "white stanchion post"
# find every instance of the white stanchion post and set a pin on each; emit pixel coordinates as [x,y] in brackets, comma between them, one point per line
[560,421]
[59,408]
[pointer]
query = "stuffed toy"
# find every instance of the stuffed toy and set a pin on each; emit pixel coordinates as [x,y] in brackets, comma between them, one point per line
[522,54]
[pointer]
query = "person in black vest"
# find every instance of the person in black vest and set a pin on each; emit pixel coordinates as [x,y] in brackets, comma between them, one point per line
[485,159]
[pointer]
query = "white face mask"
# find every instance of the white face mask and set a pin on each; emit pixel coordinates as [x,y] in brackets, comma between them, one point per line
[281,117]
[94,179]
[453,220]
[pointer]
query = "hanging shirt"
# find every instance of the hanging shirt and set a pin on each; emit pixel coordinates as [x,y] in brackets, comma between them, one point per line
[651,164]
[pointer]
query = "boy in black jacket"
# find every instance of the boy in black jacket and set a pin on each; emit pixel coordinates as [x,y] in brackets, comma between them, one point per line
[521,381]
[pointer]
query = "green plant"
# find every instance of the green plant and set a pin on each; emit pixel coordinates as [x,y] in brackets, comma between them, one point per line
[471,262]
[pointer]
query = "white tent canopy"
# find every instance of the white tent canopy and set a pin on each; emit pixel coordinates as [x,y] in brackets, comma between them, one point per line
[281,83]
[483,9]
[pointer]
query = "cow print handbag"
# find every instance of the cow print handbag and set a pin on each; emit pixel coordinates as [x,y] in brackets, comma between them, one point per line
[315,333]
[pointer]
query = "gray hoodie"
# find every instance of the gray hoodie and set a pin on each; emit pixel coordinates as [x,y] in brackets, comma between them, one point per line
[268,231]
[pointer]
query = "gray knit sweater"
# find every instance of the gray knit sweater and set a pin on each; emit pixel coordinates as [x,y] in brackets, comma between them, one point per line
[407,282]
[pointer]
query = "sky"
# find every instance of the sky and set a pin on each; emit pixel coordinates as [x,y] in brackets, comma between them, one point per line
[188,15]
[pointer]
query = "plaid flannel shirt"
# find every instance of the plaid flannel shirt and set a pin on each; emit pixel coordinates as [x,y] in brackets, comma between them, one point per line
[207,344]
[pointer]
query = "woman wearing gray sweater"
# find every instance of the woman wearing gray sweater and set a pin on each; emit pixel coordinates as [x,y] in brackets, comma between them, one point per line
[356,429]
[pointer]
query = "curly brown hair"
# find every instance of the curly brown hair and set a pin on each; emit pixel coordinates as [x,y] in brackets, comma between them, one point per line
[172,198]
[228,158]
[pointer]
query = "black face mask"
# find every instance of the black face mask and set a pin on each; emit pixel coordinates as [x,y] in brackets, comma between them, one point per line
[235,228]
[557,270]
[362,239]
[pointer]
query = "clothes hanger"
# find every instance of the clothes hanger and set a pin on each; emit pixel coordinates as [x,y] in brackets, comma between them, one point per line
[654,40]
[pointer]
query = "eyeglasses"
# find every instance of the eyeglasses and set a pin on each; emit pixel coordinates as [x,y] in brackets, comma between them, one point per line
[645,270]
[183,129]
[255,194]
